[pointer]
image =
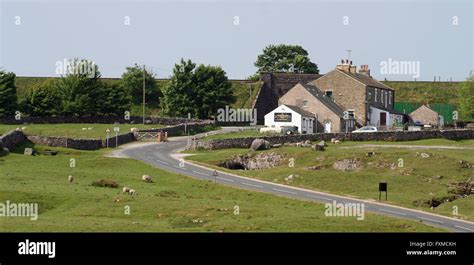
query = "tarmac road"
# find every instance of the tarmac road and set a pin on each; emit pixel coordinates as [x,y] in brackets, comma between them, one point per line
[164,155]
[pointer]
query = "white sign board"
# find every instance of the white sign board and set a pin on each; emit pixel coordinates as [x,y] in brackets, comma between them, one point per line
[116,129]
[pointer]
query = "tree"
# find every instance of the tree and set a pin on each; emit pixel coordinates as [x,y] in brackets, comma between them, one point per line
[285,58]
[197,90]
[79,90]
[466,100]
[8,97]
[213,90]
[44,100]
[132,80]
[114,100]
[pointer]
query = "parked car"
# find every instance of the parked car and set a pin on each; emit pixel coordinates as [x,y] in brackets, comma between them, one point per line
[289,130]
[366,129]
[270,130]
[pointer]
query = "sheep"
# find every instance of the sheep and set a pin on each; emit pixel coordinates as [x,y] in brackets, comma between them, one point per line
[70,178]
[133,129]
[84,129]
[125,189]
[147,178]
[132,192]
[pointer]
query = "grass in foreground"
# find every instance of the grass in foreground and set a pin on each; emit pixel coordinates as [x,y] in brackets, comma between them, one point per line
[83,131]
[418,179]
[172,203]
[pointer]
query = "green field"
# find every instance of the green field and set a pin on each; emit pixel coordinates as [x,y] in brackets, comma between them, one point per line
[78,131]
[415,180]
[171,203]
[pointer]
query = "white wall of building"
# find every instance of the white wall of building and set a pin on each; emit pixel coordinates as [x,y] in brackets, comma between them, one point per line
[303,123]
[375,117]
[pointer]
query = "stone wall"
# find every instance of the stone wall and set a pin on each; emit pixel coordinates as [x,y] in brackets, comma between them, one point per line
[124,138]
[100,120]
[11,139]
[80,144]
[378,136]
[177,130]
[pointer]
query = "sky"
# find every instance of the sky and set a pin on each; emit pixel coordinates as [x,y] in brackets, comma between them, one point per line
[430,38]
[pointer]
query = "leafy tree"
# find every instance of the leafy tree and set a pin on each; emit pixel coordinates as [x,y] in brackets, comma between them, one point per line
[8,97]
[466,100]
[197,90]
[285,58]
[213,90]
[179,94]
[80,90]
[132,80]
[44,99]
[114,100]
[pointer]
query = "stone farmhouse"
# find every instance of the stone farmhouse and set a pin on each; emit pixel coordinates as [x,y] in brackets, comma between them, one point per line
[340,100]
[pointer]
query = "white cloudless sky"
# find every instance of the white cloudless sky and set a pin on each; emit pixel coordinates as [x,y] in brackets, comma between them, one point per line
[162,32]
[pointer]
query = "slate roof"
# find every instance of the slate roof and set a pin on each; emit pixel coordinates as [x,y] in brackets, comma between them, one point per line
[317,93]
[300,111]
[366,80]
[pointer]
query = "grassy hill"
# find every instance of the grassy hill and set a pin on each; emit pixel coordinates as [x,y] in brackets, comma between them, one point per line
[423,92]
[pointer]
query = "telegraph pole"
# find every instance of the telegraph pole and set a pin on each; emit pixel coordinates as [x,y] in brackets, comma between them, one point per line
[143,94]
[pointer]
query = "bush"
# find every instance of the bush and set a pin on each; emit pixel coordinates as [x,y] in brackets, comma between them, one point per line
[105,183]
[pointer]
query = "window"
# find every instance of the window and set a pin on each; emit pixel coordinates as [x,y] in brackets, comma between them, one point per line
[390,97]
[329,93]
[305,104]
[376,90]
[351,113]
[381,96]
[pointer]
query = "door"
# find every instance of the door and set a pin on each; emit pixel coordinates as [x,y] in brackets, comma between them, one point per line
[327,127]
[383,118]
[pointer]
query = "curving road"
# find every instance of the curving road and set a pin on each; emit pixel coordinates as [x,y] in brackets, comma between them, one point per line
[164,155]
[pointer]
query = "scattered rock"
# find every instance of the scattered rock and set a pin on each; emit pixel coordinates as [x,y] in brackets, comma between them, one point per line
[315,167]
[318,147]
[276,146]
[336,141]
[348,164]
[260,161]
[370,154]
[29,151]
[465,164]
[307,142]
[70,178]
[260,144]
[48,152]
[6,150]
[437,177]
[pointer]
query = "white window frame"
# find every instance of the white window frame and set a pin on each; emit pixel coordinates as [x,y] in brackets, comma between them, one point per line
[375,95]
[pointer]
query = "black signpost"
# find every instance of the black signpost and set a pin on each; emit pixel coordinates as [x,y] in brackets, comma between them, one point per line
[383,188]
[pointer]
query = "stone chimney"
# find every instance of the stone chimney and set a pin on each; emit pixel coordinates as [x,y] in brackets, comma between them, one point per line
[346,66]
[364,69]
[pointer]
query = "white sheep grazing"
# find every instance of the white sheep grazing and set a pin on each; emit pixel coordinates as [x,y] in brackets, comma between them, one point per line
[70,178]
[146,178]
[84,129]
[132,192]
[125,189]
